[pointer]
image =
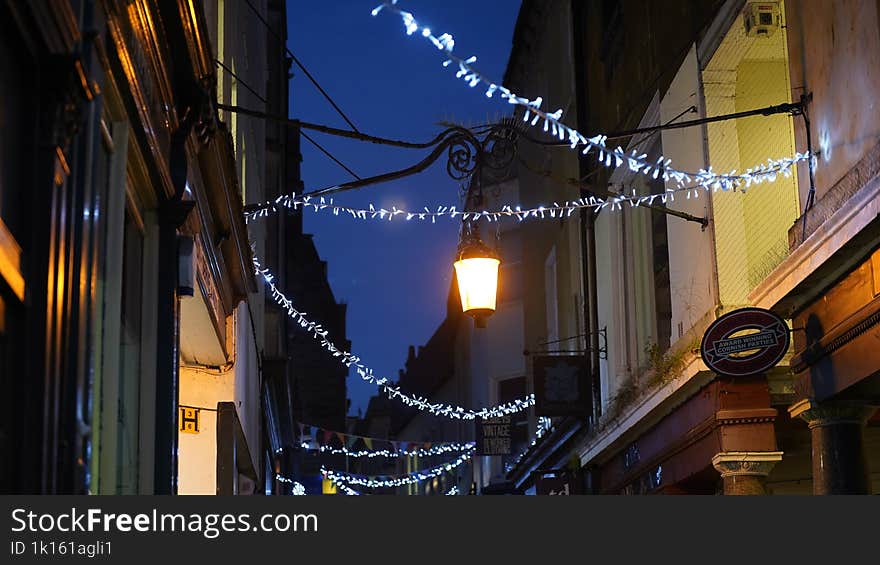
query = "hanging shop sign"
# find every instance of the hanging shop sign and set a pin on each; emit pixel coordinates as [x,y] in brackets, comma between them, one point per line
[559,482]
[562,386]
[494,435]
[744,342]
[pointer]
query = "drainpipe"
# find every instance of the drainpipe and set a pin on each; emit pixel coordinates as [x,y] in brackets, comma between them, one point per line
[591,303]
[587,218]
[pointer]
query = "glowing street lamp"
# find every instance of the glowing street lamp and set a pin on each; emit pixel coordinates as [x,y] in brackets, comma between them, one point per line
[476,268]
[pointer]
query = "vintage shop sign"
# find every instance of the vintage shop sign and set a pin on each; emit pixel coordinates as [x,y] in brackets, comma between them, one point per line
[744,342]
[494,435]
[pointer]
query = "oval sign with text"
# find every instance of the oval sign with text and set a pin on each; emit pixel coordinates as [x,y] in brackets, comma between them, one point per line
[745,342]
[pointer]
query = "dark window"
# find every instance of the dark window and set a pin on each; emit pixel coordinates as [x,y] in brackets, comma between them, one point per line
[612,35]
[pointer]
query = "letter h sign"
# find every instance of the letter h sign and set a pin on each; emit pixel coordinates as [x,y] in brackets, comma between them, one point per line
[189,420]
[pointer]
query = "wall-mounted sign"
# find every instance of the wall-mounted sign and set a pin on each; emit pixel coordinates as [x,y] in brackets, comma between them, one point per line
[494,435]
[744,342]
[559,482]
[189,419]
[562,386]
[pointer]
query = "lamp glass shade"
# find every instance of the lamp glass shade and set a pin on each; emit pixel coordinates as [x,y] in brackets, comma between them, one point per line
[477,284]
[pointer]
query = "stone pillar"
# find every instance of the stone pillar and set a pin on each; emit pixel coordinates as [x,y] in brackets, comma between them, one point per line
[837,429]
[745,472]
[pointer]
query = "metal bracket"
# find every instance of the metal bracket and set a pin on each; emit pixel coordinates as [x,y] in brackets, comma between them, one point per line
[603,347]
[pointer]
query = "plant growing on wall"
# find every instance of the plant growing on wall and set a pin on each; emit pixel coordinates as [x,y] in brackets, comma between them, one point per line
[662,367]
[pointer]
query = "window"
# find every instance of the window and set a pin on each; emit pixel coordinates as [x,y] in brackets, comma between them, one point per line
[612,35]
[745,73]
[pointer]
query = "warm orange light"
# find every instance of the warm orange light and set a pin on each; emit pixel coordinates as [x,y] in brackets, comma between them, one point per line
[477,274]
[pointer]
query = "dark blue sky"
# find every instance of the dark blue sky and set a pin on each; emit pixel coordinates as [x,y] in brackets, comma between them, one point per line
[394,276]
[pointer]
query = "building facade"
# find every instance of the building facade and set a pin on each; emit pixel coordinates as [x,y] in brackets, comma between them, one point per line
[131,232]
[802,247]
[137,346]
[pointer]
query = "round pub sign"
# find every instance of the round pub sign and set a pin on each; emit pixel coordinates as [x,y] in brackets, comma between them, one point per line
[745,342]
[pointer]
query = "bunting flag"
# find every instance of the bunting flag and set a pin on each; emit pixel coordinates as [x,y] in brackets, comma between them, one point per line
[319,439]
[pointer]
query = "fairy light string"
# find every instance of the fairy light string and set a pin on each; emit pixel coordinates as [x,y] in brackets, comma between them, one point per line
[293,201]
[612,158]
[343,487]
[297,489]
[545,425]
[344,443]
[429,452]
[366,373]
[340,477]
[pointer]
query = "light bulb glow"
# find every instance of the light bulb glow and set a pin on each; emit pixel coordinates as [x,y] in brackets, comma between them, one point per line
[477,283]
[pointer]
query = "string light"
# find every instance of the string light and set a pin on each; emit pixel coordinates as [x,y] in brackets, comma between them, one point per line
[343,487]
[430,452]
[366,373]
[611,158]
[389,482]
[545,425]
[298,488]
[453,491]
[544,212]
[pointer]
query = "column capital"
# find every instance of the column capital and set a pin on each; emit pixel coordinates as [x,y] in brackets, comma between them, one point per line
[818,414]
[755,463]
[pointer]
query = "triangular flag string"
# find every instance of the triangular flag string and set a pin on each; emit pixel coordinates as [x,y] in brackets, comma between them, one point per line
[341,443]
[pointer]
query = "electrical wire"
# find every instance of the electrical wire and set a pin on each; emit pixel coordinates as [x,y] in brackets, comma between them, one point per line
[301,66]
[240,81]
[606,194]
[328,154]
[293,122]
[306,136]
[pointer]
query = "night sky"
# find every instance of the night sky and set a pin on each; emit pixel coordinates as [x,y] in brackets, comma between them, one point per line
[394,276]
